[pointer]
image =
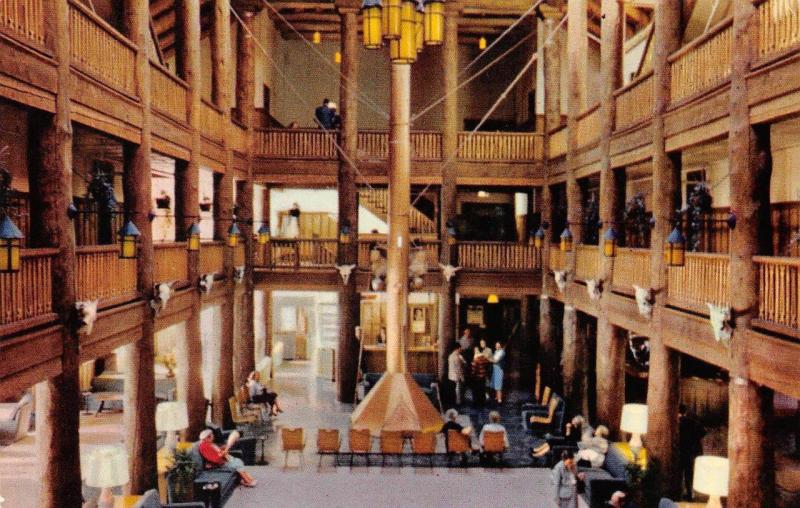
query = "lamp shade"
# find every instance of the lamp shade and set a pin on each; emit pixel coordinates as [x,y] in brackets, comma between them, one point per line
[493,298]
[538,237]
[711,475]
[482,43]
[10,240]
[566,240]
[316,38]
[105,467]
[263,234]
[675,248]
[233,235]
[193,237]
[434,22]
[128,240]
[371,12]
[171,416]
[610,242]
[390,17]
[634,418]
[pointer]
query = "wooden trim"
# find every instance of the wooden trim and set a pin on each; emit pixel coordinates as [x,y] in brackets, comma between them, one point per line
[716,29]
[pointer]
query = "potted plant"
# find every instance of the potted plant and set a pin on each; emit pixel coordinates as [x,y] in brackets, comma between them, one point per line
[645,489]
[205,204]
[181,478]
[163,201]
[169,362]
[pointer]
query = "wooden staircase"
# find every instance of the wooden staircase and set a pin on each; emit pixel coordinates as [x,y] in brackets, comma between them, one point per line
[377,202]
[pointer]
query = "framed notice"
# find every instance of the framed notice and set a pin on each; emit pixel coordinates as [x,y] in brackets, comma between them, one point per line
[475,315]
[419,320]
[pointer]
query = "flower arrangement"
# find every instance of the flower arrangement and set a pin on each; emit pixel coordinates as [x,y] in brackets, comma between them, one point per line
[169,361]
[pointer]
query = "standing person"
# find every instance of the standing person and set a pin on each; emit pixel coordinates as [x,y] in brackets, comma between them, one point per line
[565,477]
[292,225]
[690,437]
[480,372]
[455,372]
[483,349]
[323,115]
[466,342]
[499,361]
[336,119]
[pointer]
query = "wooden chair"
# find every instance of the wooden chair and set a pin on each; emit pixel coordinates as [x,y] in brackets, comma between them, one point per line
[244,421]
[546,422]
[328,443]
[424,444]
[360,442]
[243,397]
[391,444]
[292,440]
[494,444]
[457,444]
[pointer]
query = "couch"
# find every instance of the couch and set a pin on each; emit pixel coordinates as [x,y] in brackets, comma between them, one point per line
[211,486]
[150,499]
[15,420]
[603,481]
[554,426]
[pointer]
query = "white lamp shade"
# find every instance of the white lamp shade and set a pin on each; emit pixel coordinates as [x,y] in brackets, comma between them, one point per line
[171,416]
[106,467]
[634,418]
[711,475]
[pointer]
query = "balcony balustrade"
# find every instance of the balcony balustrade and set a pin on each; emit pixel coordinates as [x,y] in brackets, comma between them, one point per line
[497,256]
[703,63]
[779,291]
[171,262]
[587,262]
[631,266]
[212,257]
[634,102]
[588,126]
[299,253]
[168,93]
[28,293]
[779,27]
[102,275]
[24,18]
[558,259]
[703,279]
[211,125]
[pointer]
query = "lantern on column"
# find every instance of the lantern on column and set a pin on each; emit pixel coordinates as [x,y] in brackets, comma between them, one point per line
[316,38]
[404,49]
[675,249]
[233,235]
[419,23]
[263,234]
[451,232]
[337,57]
[345,233]
[610,242]
[434,22]
[128,240]
[538,237]
[372,29]
[390,19]
[566,240]
[482,43]
[193,238]
[10,240]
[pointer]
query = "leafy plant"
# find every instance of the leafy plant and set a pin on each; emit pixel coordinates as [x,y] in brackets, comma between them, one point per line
[698,205]
[181,476]
[637,221]
[644,483]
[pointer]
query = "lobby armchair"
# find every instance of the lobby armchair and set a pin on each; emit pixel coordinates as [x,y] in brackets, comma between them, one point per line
[15,420]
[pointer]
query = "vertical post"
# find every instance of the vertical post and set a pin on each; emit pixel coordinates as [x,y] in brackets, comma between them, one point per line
[448,253]
[399,204]
[663,390]
[140,398]
[752,480]
[610,358]
[187,183]
[58,399]
[347,350]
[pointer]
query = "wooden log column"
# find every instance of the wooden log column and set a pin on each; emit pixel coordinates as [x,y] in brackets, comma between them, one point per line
[448,254]
[223,204]
[752,468]
[58,398]
[349,298]
[140,398]
[663,390]
[187,190]
[610,358]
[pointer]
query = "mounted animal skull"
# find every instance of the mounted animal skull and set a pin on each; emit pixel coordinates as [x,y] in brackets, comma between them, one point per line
[377,284]
[206,283]
[720,318]
[644,300]
[595,288]
[85,316]
[238,274]
[345,271]
[449,271]
[162,292]
[418,267]
[561,279]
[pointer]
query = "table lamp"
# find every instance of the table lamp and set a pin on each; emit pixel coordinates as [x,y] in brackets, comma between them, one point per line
[711,478]
[634,420]
[170,418]
[106,467]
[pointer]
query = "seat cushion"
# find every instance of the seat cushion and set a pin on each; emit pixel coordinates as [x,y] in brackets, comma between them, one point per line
[615,463]
[149,499]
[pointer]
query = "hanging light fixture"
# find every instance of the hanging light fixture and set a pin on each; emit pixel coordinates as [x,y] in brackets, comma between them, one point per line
[337,57]
[566,240]
[316,38]
[193,238]
[233,235]
[404,49]
[10,241]
[451,232]
[675,249]
[263,234]
[538,237]
[493,299]
[345,233]
[128,240]
[390,19]
[482,43]
[610,242]
[372,29]
[434,22]
[419,22]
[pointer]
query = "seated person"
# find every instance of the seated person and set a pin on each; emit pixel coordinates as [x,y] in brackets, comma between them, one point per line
[216,456]
[573,430]
[261,394]
[451,424]
[494,426]
[594,449]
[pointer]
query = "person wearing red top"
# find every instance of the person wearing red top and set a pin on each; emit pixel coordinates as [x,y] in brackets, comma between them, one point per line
[216,456]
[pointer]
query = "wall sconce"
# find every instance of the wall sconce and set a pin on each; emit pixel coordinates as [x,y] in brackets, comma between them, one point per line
[610,242]
[345,233]
[566,240]
[263,234]
[193,238]
[451,232]
[10,242]
[128,240]
[675,250]
[233,235]
[538,237]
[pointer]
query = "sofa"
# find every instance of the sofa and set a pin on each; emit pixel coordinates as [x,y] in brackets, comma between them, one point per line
[603,481]
[554,426]
[150,499]
[15,420]
[213,487]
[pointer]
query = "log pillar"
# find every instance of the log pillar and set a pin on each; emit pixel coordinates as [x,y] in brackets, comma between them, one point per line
[663,390]
[140,399]
[58,398]
[187,191]
[448,254]
[752,469]
[349,298]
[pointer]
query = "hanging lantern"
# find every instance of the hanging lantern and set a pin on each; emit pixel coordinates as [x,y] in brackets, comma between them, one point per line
[538,237]
[451,232]
[263,234]
[493,299]
[371,13]
[233,235]
[337,57]
[345,233]
[316,38]
[675,250]
[419,22]
[404,49]
[610,242]
[10,241]
[566,240]
[128,240]
[390,19]
[434,22]
[482,43]
[193,238]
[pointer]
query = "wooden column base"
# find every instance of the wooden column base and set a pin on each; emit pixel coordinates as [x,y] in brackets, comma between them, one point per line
[610,373]
[663,396]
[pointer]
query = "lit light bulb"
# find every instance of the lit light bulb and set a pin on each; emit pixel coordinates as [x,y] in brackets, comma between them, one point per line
[482,43]
[316,38]
[337,57]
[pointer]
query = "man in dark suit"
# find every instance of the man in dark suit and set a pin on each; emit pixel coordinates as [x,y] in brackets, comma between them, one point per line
[324,115]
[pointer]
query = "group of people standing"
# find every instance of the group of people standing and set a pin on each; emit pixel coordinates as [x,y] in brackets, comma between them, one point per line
[476,367]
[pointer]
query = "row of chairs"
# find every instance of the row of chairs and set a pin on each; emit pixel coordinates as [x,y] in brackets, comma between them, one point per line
[546,415]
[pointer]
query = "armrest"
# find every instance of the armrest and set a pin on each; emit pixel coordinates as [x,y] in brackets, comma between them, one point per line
[185,505]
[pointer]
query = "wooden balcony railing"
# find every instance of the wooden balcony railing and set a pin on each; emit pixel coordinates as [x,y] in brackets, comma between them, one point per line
[703,63]
[499,146]
[634,102]
[168,93]
[703,279]
[497,256]
[375,145]
[558,143]
[99,50]
[211,125]
[24,18]
[631,266]
[588,126]
[171,262]
[28,293]
[779,26]
[779,290]
[301,253]
[102,275]
[295,144]
[426,146]
[587,262]
[238,255]
[558,259]
[212,256]
[364,246]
